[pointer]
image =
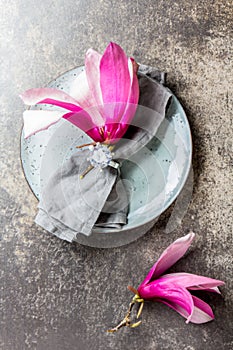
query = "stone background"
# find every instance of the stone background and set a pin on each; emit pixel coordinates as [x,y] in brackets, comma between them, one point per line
[55,295]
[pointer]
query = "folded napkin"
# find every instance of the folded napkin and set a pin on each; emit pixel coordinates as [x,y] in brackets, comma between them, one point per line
[70,205]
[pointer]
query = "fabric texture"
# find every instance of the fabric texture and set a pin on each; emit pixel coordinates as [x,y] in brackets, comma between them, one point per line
[70,205]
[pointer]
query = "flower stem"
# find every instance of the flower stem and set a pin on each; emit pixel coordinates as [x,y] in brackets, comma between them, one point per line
[86,171]
[126,322]
[86,144]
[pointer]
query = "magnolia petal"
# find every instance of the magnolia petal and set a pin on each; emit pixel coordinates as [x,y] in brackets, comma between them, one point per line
[37,120]
[116,130]
[169,257]
[92,65]
[50,96]
[134,92]
[96,135]
[202,312]
[82,120]
[132,102]
[81,92]
[213,289]
[170,292]
[175,307]
[115,81]
[128,109]
[191,281]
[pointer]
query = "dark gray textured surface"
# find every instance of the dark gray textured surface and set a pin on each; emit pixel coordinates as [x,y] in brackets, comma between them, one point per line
[59,296]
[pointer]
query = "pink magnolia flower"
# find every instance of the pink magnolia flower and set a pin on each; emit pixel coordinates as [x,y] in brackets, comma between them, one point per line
[174,289]
[102,100]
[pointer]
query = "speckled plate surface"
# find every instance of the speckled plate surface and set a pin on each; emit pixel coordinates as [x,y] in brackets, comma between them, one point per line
[156,174]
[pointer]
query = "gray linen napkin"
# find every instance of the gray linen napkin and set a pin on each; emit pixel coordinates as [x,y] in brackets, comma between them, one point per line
[71,205]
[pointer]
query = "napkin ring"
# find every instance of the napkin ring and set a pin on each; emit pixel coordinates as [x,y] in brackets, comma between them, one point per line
[100,157]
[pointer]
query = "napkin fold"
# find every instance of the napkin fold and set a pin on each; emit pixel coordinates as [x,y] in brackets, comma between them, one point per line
[70,205]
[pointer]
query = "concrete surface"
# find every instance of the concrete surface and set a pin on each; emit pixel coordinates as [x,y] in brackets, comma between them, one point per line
[55,295]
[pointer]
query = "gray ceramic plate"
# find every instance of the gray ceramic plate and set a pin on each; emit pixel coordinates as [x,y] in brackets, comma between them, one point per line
[156,174]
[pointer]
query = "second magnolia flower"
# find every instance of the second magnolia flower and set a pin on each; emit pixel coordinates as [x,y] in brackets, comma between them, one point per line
[173,289]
